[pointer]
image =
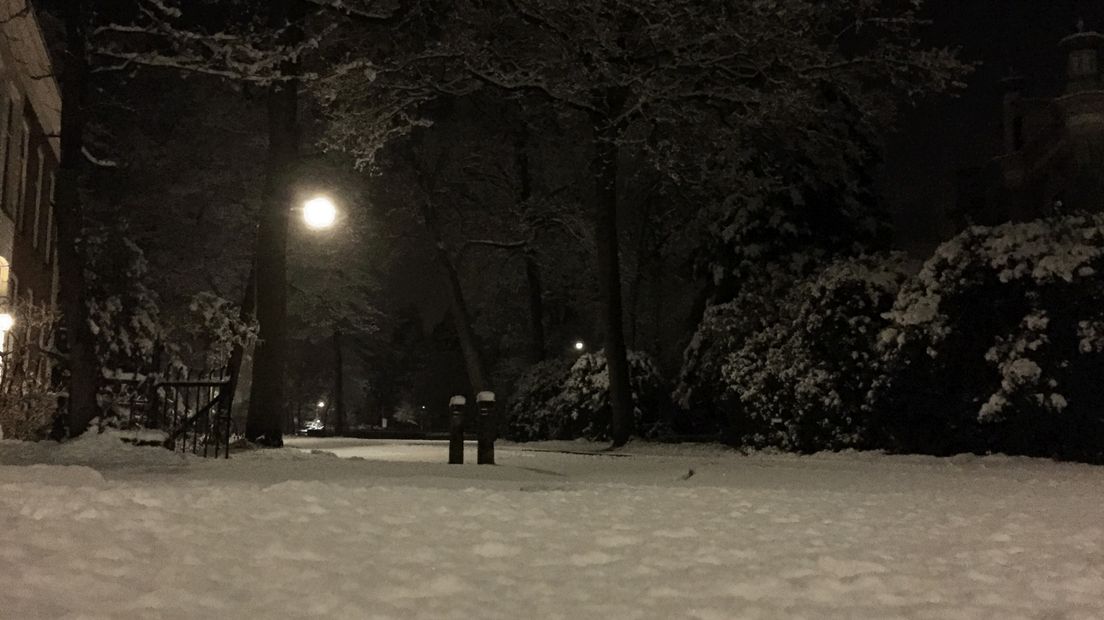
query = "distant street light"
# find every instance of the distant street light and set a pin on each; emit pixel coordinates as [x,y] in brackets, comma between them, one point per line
[319,212]
[579,345]
[321,404]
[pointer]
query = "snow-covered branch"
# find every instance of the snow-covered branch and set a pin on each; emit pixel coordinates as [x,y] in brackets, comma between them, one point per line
[96,161]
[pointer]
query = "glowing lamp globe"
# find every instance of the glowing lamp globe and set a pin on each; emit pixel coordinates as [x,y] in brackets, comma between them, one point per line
[319,212]
[7,321]
[321,404]
[580,345]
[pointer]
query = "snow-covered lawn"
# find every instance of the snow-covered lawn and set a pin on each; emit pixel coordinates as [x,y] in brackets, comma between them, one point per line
[91,531]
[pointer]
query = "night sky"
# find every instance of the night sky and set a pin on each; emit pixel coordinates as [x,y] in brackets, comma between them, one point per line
[941,137]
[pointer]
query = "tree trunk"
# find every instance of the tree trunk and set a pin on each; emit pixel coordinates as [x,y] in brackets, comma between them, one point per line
[469,345]
[532,267]
[339,385]
[82,362]
[604,171]
[634,301]
[536,308]
[246,314]
[264,424]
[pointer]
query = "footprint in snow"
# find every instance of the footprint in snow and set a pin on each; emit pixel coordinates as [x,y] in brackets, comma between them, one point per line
[591,558]
[495,550]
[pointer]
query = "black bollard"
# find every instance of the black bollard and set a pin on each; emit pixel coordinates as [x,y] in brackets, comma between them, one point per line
[485,401]
[456,430]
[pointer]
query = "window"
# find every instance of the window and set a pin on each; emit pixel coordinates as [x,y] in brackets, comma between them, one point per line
[1082,63]
[21,185]
[30,308]
[27,324]
[38,197]
[5,147]
[50,220]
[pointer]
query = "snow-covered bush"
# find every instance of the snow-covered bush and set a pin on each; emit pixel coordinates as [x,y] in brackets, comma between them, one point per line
[706,405]
[585,399]
[123,311]
[554,401]
[530,414]
[803,382]
[212,328]
[794,213]
[996,344]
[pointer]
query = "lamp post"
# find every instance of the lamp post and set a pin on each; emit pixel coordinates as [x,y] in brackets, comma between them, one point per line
[320,213]
[580,346]
[7,321]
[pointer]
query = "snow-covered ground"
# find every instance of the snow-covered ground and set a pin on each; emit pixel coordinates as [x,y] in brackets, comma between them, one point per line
[89,531]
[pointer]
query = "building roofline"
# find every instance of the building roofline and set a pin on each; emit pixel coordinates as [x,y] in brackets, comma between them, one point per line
[1082,40]
[24,39]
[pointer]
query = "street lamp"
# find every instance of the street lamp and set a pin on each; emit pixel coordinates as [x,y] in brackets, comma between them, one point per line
[579,345]
[7,322]
[319,212]
[321,404]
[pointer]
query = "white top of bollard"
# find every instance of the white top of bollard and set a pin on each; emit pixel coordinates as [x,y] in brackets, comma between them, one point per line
[485,397]
[458,400]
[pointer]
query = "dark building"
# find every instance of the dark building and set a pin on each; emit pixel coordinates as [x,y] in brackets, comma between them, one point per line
[1053,148]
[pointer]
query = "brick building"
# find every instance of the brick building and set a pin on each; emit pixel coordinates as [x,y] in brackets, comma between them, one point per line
[30,121]
[1053,148]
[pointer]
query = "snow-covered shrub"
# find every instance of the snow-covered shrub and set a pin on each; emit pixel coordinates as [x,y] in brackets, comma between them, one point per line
[585,399]
[212,327]
[802,383]
[795,213]
[554,401]
[530,414]
[996,346]
[123,311]
[701,395]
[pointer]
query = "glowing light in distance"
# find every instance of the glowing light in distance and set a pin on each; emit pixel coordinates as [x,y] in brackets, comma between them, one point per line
[319,212]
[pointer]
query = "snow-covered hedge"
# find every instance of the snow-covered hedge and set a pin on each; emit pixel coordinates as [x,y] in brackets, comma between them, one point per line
[556,401]
[996,344]
[803,382]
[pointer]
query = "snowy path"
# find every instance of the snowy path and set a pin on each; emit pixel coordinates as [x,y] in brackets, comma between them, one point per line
[146,534]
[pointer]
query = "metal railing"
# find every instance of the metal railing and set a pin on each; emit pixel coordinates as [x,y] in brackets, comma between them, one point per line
[191,407]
